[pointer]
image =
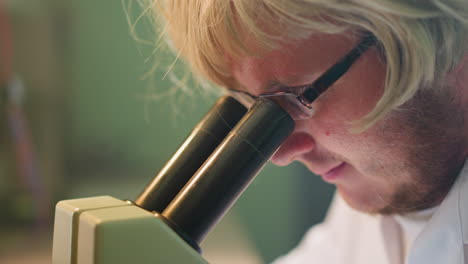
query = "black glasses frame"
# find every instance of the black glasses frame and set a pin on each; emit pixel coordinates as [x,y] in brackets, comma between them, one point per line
[312,91]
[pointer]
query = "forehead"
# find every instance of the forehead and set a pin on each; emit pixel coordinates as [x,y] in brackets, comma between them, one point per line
[294,62]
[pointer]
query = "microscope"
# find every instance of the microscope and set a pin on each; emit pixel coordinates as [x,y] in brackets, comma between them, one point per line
[184,201]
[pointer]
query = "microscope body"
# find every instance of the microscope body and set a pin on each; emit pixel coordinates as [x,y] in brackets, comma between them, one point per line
[105,230]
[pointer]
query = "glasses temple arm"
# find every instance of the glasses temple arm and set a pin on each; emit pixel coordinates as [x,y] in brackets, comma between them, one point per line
[337,70]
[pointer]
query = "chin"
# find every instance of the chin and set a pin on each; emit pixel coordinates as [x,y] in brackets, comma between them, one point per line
[363,201]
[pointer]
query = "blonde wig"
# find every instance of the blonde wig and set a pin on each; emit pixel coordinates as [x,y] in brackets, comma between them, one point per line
[420,40]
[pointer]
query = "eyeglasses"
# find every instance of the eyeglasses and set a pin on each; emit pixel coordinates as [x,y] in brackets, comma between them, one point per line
[297,100]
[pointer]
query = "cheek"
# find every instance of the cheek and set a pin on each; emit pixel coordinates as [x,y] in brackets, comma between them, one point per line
[348,103]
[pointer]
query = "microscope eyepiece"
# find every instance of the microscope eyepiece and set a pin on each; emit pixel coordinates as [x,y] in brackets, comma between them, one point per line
[193,152]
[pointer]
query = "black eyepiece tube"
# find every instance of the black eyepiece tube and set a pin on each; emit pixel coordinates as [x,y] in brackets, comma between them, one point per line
[229,170]
[193,152]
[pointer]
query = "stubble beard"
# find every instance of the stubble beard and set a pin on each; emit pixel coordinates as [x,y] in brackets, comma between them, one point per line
[435,151]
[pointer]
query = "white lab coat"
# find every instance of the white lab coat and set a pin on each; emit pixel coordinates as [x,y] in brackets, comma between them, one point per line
[350,237]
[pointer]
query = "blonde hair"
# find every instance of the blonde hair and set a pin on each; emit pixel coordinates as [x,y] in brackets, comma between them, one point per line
[420,40]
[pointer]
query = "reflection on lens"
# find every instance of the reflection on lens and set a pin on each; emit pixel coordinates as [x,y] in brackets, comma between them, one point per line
[293,106]
[289,102]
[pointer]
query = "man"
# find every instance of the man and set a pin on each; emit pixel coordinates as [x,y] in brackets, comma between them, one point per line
[389,128]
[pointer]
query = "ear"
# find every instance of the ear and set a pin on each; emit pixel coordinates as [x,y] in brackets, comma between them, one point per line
[460,73]
[458,77]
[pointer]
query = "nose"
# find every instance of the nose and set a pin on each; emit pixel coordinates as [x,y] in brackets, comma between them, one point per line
[297,144]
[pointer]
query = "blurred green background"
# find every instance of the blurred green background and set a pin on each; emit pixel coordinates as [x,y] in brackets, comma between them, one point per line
[101,122]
